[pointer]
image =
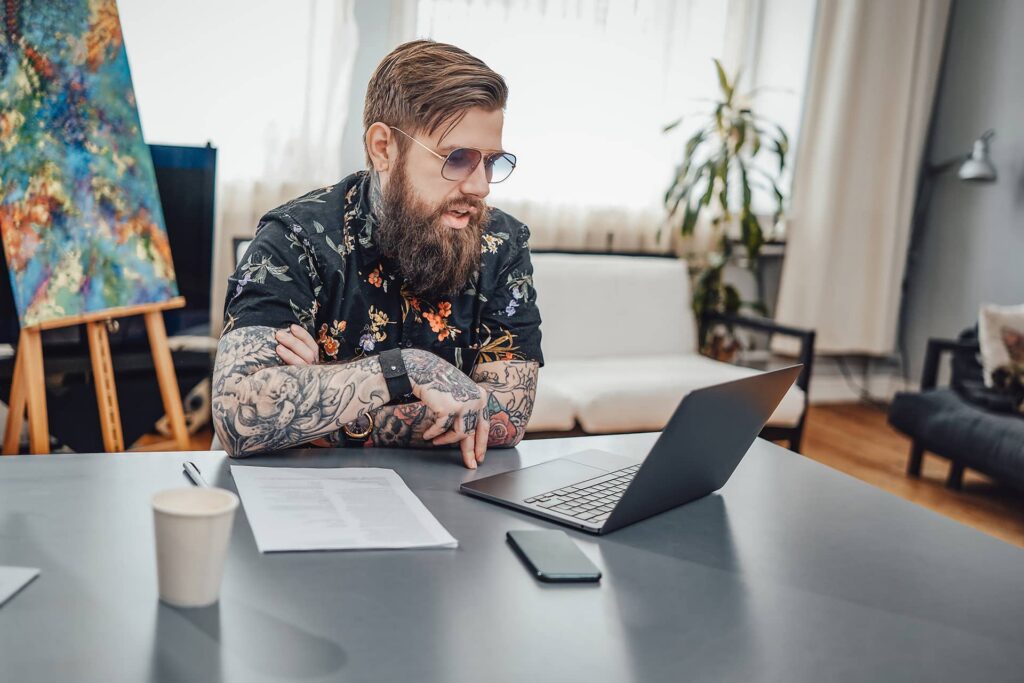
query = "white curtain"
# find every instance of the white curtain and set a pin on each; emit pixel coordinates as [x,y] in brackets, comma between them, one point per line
[267,82]
[592,84]
[869,97]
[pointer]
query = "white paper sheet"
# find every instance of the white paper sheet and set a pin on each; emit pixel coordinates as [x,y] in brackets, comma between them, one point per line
[13,579]
[347,508]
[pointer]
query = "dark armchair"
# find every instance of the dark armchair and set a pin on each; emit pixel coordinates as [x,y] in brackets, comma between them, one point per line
[964,422]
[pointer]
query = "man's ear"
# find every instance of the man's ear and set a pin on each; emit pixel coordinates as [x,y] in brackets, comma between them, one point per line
[380,146]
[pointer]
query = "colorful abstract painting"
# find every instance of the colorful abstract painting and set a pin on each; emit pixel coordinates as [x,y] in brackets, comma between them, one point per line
[82,226]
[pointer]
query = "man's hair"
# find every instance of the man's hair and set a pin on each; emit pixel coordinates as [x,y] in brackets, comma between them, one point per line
[423,85]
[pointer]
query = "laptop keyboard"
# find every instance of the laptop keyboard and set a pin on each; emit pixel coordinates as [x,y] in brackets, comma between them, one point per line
[591,500]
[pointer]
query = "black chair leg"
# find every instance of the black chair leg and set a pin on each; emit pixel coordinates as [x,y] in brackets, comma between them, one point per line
[956,476]
[916,458]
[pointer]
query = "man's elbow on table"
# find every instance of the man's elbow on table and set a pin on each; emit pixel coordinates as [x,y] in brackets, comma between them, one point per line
[224,426]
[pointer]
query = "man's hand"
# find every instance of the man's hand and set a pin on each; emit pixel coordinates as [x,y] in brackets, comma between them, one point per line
[295,346]
[461,407]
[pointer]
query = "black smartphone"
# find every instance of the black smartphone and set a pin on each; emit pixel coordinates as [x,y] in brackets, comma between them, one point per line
[552,556]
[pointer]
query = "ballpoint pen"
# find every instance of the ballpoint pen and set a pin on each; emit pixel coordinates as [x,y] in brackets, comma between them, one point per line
[192,472]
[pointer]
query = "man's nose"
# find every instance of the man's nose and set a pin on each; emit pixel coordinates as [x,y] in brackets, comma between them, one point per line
[476,184]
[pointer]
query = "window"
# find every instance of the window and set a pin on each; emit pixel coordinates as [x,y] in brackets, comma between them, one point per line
[592,84]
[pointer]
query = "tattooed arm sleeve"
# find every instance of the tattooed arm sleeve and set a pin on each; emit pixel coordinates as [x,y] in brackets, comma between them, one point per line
[260,405]
[512,386]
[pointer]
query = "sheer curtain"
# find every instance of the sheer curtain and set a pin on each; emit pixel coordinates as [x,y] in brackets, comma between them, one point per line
[266,82]
[875,68]
[592,84]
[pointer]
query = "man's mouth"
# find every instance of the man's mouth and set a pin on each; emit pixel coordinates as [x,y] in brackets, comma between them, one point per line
[457,218]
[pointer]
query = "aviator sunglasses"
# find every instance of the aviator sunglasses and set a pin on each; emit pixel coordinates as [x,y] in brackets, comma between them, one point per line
[460,163]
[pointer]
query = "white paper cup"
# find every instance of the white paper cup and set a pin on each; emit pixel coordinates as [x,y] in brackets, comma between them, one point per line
[193,526]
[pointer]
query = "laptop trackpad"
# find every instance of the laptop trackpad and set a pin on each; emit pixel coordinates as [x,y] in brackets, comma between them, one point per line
[534,480]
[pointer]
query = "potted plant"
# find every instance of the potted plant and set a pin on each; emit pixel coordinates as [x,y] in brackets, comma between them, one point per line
[717,178]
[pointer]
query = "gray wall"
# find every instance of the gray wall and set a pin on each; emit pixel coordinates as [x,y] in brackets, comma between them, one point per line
[971,247]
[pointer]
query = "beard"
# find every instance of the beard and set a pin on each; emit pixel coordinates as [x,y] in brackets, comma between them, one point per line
[436,260]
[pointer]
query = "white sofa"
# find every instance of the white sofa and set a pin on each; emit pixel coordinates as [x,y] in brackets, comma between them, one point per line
[620,346]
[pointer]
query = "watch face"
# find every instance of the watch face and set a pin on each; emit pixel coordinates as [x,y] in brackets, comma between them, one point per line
[359,428]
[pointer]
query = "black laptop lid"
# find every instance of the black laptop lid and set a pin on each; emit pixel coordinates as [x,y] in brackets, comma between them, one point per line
[702,444]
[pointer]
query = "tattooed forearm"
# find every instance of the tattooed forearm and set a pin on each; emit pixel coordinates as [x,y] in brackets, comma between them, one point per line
[400,426]
[427,369]
[512,386]
[260,405]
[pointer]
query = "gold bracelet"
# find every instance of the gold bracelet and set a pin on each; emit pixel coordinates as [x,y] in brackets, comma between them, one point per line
[359,435]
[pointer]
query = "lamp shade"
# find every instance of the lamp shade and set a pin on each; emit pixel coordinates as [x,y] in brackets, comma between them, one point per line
[978,167]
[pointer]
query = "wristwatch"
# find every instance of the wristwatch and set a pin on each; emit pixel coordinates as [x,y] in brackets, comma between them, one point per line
[395,375]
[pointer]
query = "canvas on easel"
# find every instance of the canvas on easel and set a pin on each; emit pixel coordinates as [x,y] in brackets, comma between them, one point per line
[83,230]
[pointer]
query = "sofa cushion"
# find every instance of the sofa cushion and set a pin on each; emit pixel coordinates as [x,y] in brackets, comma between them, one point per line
[623,394]
[553,409]
[595,306]
[943,423]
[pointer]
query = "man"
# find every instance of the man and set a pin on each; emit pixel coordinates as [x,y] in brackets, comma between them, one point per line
[394,308]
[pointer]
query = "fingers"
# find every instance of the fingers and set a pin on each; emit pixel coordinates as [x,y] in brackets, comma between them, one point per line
[483,431]
[305,350]
[465,425]
[449,437]
[442,425]
[303,335]
[468,457]
[288,356]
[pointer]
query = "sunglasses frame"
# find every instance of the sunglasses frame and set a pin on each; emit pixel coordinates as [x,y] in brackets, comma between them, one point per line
[483,156]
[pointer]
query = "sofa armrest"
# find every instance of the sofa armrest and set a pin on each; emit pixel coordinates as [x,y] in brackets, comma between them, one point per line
[760,324]
[933,355]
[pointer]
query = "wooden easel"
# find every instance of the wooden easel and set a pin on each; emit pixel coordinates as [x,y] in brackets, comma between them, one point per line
[28,388]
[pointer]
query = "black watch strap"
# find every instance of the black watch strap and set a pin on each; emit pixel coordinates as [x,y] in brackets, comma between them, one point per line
[395,374]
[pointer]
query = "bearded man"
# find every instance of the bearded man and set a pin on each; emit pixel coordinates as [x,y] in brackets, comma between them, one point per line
[394,308]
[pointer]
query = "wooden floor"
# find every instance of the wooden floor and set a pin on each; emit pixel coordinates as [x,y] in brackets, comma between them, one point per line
[856,439]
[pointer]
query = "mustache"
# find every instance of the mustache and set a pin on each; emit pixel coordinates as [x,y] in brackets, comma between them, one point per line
[475,206]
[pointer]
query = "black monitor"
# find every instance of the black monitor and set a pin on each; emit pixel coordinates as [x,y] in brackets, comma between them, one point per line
[185,179]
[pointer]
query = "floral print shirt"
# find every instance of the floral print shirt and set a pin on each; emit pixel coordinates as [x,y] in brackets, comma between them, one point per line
[314,262]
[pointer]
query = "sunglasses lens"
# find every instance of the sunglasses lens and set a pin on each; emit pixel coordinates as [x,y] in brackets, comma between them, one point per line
[461,162]
[499,167]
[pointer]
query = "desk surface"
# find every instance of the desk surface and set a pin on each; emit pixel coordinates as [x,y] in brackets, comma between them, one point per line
[793,573]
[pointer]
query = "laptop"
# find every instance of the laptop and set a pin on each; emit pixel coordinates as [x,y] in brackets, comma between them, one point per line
[700,447]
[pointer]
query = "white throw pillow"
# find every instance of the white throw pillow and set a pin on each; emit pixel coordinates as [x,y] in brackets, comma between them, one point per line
[999,326]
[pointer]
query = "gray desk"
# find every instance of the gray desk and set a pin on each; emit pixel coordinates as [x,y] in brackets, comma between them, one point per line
[793,573]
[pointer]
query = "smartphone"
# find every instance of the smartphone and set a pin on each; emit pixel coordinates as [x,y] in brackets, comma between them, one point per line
[552,556]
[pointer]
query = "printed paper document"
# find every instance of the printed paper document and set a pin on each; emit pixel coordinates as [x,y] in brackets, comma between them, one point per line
[13,579]
[347,508]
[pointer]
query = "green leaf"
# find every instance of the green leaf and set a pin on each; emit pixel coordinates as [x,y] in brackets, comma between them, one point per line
[731,297]
[723,192]
[709,191]
[779,204]
[780,151]
[694,142]
[753,237]
[689,219]
[680,184]
[723,81]
[672,125]
[745,186]
[684,195]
